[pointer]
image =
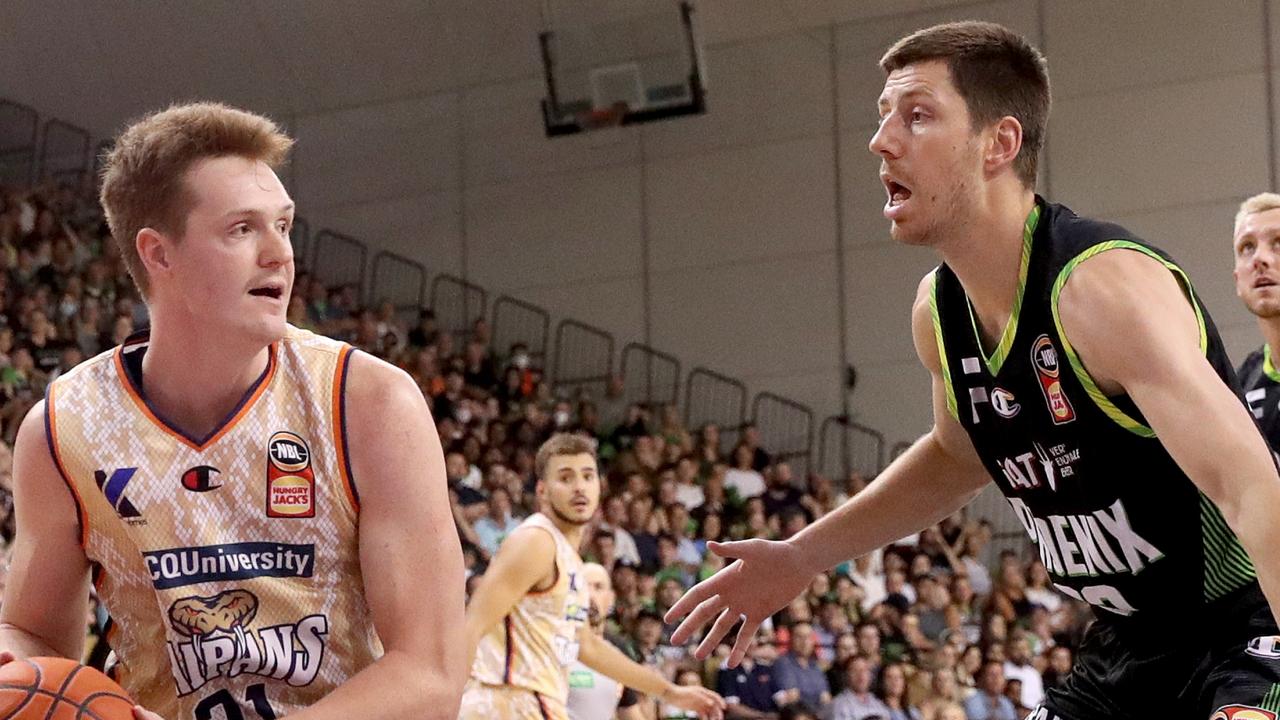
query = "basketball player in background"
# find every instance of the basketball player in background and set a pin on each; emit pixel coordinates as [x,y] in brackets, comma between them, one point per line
[1072,364]
[1256,245]
[250,497]
[527,621]
[592,695]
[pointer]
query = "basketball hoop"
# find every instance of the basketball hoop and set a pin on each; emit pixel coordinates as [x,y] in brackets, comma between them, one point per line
[597,118]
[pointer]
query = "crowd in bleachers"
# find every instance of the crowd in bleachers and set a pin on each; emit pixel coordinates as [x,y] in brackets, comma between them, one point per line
[930,628]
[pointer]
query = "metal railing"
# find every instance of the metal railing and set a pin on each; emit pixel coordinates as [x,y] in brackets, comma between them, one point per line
[457,304]
[713,398]
[650,377]
[786,430]
[65,152]
[846,447]
[400,280]
[19,143]
[339,260]
[516,321]
[300,239]
[583,358]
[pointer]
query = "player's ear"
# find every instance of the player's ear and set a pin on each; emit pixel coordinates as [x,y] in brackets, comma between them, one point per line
[153,250]
[1004,144]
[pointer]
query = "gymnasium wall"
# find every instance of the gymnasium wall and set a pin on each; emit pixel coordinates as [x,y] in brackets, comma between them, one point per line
[735,240]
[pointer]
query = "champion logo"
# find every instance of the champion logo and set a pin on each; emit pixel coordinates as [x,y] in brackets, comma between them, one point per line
[200,478]
[112,487]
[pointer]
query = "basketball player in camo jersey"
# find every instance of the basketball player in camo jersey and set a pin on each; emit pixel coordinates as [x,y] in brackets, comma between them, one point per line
[249,497]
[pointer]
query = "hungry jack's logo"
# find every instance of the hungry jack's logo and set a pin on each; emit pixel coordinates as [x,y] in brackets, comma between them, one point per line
[291,484]
[1044,356]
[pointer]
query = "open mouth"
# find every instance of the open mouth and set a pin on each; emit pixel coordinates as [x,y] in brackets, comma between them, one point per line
[898,193]
[1263,282]
[580,504]
[275,292]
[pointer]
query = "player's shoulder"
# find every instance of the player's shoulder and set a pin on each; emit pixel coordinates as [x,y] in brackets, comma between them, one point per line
[94,367]
[301,341]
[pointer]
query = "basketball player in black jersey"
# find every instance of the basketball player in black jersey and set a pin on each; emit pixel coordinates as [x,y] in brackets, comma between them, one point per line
[1074,366]
[1256,244]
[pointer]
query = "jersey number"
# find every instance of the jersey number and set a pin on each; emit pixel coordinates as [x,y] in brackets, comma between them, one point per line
[1100,596]
[256,694]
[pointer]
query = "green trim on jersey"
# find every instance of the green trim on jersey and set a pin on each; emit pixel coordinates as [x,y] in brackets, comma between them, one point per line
[1100,398]
[1226,564]
[1269,367]
[996,360]
[942,350]
[1271,701]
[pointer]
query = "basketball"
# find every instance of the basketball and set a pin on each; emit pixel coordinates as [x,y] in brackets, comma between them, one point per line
[60,689]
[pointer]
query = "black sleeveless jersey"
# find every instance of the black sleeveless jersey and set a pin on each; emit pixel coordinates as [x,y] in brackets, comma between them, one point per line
[1260,382]
[1116,521]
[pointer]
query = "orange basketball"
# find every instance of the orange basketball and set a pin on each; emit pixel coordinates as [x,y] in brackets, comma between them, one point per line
[60,689]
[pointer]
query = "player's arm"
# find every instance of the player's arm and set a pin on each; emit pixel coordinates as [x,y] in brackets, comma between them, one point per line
[1135,331]
[600,655]
[46,594]
[413,574]
[937,476]
[526,561]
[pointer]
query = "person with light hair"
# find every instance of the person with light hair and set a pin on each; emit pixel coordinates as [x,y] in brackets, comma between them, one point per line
[1256,246]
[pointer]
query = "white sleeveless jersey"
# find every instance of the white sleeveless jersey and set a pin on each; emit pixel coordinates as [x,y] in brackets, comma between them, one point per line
[229,564]
[534,645]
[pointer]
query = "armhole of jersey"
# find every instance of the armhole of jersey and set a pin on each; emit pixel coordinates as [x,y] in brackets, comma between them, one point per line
[1100,398]
[340,426]
[51,437]
[942,350]
[555,564]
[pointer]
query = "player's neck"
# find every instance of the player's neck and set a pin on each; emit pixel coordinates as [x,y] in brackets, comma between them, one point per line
[194,379]
[1270,333]
[985,253]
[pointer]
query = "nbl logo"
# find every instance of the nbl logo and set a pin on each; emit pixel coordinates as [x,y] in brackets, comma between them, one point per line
[1044,356]
[291,483]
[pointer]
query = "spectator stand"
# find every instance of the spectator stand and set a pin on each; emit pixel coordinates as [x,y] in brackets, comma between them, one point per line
[400,280]
[713,398]
[583,359]
[300,238]
[338,260]
[65,152]
[516,321]
[457,303]
[786,430]
[19,143]
[650,377]
[846,447]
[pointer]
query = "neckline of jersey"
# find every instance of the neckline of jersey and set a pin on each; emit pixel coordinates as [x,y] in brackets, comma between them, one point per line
[134,390]
[997,357]
[1269,367]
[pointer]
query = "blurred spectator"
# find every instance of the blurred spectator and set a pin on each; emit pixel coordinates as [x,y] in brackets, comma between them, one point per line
[796,675]
[857,702]
[892,692]
[989,702]
[498,523]
[748,688]
[742,478]
[1018,666]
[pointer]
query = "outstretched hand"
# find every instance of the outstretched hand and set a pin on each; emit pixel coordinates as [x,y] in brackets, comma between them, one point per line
[765,577]
[706,703]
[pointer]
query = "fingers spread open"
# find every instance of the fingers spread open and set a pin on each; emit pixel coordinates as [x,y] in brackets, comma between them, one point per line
[699,617]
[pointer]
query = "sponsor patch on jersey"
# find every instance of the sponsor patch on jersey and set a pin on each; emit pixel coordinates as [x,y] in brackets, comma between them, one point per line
[177,567]
[217,641]
[1004,403]
[200,478]
[1242,712]
[112,487]
[1265,647]
[291,484]
[1044,357]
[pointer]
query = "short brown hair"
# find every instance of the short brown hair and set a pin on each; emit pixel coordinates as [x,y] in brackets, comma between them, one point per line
[562,444]
[995,70]
[143,175]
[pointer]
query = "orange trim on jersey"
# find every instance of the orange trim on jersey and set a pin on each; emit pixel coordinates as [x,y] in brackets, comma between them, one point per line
[339,423]
[51,435]
[246,403]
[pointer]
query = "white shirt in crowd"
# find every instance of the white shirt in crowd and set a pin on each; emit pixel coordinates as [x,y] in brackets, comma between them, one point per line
[747,483]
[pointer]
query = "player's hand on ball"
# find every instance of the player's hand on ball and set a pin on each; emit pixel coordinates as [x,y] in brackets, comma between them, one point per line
[764,577]
[706,703]
[141,713]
